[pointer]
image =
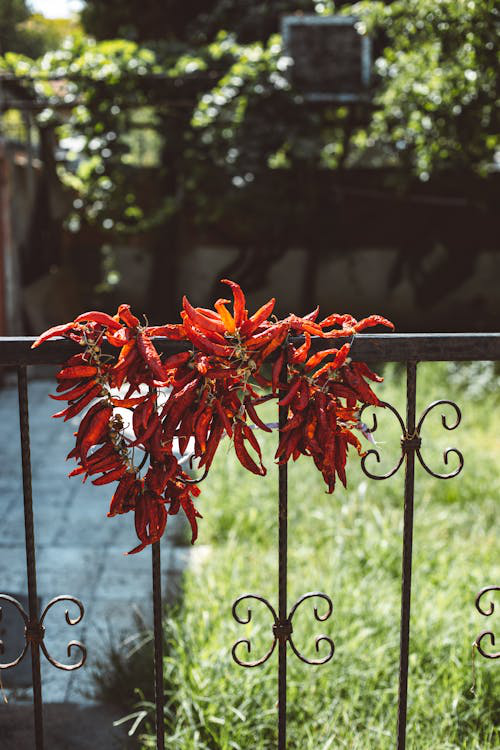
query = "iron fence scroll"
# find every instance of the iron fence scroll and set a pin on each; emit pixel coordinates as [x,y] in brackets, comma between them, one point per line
[407,348]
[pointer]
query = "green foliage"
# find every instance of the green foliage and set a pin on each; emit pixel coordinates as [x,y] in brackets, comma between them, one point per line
[29,33]
[348,545]
[12,14]
[436,102]
[194,23]
[212,114]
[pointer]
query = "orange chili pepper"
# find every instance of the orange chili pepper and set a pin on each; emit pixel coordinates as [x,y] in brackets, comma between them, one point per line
[226,317]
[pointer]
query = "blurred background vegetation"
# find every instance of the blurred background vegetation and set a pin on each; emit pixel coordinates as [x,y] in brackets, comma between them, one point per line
[173,126]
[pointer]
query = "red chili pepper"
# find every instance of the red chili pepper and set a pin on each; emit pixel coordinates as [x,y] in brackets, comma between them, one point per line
[174,332]
[224,417]
[342,391]
[94,316]
[293,422]
[345,320]
[293,387]
[65,385]
[75,408]
[185,431]
[117,501]
[262,314]
[311,423]
[252,439]
[261,339]
[73,393]
[243,455]
[150,355]
[103,452]
[240,313]
[276,341]
[154,424]
[128,318]
[142,414]
[302,325]
[254,416]
[78,371]
[191,514]
[120,337]
[354,441]
[84,424]
[105,464]
[373,320]
[363,370]
[201,428]
[340,457]
[216,432]
[295,437]
[200,320]
[301,399]
[300,354]
[276,371]
[53,332]
[128,403]
[175,360]
[315,360]
[95,431]
[362,389]
[337,362]
[312,315]
[203,343]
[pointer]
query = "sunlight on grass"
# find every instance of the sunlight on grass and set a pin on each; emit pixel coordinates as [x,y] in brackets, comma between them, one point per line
[349,546]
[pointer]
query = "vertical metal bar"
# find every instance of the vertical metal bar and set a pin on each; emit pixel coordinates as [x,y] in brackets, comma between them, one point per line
[29,532]
[158,645]
[282,576]
[411,389]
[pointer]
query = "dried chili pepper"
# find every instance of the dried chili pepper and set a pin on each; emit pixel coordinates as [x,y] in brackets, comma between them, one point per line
[213,390]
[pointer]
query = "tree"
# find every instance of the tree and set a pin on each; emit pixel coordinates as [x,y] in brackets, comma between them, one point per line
[436,102]
[212,116]
[12,14]
[29,33]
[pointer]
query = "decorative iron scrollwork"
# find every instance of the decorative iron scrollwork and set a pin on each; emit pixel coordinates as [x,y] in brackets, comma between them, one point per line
[282,629]
[413,441]
[486,633]
[34,633]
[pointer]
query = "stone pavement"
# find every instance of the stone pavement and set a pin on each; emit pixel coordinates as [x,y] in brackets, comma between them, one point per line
[79,551]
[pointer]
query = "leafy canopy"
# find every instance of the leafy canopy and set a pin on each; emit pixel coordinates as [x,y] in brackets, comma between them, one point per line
[213,114]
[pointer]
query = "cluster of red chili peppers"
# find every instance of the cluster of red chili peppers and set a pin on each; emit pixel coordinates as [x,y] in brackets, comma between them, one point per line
[235,362]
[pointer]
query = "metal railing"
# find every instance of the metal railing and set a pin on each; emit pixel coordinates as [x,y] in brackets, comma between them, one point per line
[407,348]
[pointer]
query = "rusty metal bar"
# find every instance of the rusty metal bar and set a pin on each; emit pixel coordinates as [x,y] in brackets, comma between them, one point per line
[282,574]
[372,347]
[158,645]
[22,384]
[411,390]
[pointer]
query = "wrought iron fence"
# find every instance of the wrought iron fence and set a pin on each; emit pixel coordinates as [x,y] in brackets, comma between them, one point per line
[407,348]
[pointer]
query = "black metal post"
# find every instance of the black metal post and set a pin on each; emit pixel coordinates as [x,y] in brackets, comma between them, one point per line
[411,389]
[282,576]
[158,645]
[22,384]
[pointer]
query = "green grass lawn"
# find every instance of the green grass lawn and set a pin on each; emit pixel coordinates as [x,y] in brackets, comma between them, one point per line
[348,545]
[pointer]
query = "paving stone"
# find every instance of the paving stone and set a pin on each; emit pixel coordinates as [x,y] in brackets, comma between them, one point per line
[79,551]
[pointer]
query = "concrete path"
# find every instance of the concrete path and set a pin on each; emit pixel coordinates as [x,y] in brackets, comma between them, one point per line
[79,551]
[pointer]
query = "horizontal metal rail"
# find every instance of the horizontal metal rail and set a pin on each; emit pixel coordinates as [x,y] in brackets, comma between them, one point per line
[372,347]
[386,347]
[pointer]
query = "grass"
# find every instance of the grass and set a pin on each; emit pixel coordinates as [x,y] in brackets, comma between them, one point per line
[349,546]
